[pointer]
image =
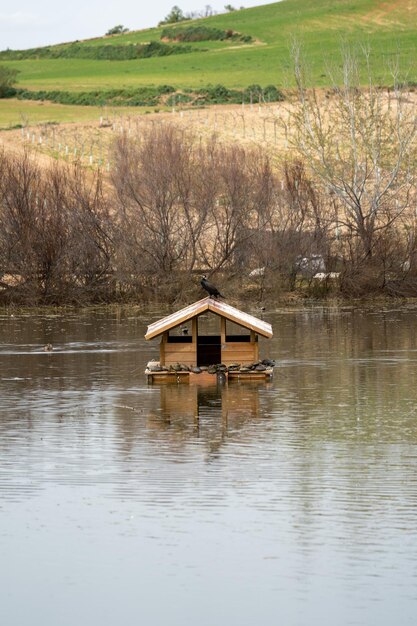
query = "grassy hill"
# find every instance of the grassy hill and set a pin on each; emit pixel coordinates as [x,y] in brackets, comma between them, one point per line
[390,28]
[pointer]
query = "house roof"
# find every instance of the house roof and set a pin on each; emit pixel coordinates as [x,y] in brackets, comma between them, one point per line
[209,304]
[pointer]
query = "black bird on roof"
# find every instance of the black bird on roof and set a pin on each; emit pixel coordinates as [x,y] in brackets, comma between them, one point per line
[211,289]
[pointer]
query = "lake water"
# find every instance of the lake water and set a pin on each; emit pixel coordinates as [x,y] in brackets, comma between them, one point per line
[290,503]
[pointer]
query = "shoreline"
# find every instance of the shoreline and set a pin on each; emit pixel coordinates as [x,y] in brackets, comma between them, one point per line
[274,306]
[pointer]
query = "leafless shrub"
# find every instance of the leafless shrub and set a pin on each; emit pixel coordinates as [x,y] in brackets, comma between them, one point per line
[92,236]
[165,187]
[28,228]
[296,233]
[242,207]
[50,236]
[360,147]
[184,205]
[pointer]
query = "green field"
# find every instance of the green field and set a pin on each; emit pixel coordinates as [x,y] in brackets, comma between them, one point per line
[14,113]
[390,29]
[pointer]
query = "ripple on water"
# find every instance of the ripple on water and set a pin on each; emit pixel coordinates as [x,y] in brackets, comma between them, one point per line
[304,485]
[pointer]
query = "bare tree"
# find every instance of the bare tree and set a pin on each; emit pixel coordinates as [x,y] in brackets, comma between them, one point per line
[55,233]
[187,204]
[245,183]
[360,145]
[296,231]
[165,186]
[26,258]
[92,235]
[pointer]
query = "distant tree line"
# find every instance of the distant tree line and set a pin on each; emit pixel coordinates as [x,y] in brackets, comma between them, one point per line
[136,96]
[177,15]
[174,16]
[124,52]
[202,33]
[336,214]
[107,52]
[154,96]
[56,241]
[175,207]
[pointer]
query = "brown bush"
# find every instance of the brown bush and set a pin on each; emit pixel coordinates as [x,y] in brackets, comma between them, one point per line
[54,233]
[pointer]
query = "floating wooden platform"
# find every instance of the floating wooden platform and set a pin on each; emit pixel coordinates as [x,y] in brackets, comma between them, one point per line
[204,378]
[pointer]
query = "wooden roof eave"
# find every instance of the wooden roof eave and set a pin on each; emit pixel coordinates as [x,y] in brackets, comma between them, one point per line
[219,308]
[177,318]
[239,317]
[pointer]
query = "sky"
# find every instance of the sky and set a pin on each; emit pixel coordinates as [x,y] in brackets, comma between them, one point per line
[32,23]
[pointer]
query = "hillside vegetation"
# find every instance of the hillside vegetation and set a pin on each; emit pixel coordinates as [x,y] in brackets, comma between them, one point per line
[313,196]
[258,51]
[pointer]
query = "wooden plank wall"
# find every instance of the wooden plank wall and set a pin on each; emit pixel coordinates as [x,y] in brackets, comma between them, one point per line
[232,352]
[179,353]
[239,352]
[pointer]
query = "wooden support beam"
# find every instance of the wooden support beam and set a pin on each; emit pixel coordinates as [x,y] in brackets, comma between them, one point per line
[223,330]
[255,344]
[164,340]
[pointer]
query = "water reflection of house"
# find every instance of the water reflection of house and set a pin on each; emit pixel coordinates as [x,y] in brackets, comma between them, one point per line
[210,408]
[235,401]
[205,416]
[186,340]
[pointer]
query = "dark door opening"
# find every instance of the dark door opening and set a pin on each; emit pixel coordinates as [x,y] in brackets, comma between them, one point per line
[209,350]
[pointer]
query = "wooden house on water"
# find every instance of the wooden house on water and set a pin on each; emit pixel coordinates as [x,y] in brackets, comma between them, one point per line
[187,350]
